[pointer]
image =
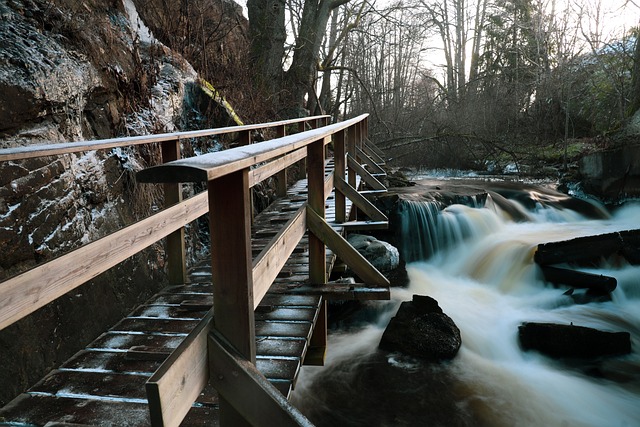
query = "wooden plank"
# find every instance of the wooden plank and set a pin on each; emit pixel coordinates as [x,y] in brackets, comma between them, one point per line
[177,383]
[337,291]
[265,171]
[20,153]
[268,264]
[344,250]
[251,394]
[215,165]
[35,288]
[361,225]
[360,201]
[366,176]
[328,185]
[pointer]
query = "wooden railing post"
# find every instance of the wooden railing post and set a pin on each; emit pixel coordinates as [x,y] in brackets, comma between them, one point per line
[317,249]
[339,140]
[176,259]
[281,177]
[231,265]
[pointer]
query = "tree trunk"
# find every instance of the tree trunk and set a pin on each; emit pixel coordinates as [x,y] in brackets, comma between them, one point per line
[635,81]
[267,34]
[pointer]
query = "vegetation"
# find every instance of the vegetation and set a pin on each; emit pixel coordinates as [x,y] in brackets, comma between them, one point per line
[510,77]
[449,83]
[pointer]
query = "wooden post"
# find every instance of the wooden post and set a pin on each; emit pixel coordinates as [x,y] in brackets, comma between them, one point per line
[351,149]
[317,249]
[339,158]
[302,164]
[176,259]
[231,264]
[244,138]
[281,177]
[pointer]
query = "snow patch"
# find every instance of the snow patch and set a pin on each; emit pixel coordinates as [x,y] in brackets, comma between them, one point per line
[138,27]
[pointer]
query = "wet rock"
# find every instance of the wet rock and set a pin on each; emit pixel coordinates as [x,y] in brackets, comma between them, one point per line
[420,329]
[380,254]
[570,341]
[612,175]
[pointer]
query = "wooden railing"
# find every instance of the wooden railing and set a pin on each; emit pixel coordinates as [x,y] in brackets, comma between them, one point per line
[221,350]
[33,289]
[227,343]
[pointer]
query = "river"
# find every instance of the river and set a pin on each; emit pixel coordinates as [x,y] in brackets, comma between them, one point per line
[484,278]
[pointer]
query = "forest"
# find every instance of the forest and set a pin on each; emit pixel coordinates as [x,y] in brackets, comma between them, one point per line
[473,83]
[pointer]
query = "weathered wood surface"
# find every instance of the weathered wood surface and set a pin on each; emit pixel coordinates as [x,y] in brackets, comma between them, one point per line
[572,341]
[25,293]
[139,344]
[578,279]
[591,249]
[33,151]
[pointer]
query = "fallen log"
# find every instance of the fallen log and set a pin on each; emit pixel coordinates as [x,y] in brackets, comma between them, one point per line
[596,283]
[570,341]
[590,249]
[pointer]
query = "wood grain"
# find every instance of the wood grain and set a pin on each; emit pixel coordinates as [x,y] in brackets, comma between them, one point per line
[35,288]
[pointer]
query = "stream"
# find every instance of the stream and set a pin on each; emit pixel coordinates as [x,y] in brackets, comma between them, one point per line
[478,264]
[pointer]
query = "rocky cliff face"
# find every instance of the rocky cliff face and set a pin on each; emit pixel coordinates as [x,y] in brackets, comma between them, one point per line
[79,70]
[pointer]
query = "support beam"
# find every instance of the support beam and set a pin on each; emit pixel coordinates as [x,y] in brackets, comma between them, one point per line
[366,176]
[239,381]
[365,159]
[176,259]
[323,231]
[360,201]
[230,225]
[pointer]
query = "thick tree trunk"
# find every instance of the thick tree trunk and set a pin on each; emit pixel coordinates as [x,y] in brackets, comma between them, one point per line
[635,81]
[268,34]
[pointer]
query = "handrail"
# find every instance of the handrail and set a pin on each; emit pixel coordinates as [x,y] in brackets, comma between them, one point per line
[208,167]
[240,281]
[26,292]
[33,151]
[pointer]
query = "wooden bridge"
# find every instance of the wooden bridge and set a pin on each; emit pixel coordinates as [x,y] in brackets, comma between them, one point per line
[224,342]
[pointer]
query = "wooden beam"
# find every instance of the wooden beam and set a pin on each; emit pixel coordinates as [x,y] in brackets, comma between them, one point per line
[366,176]
[176,253]
[231,266]
[341,291]
[33,151]
[364,157]
[214,165]
[263,172]
[270,261]
[231,271]
[328,185]
[319,227]
[340,147]
[375,154]
[27,292]
[176,384]
[360,201]
[241,384]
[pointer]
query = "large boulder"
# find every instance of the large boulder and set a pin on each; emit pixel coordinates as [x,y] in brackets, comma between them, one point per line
[380,254]
[570,341]
[612,175]
[422,330]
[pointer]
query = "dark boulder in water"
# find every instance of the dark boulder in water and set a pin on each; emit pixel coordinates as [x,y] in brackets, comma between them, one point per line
[420,329]
[575,342]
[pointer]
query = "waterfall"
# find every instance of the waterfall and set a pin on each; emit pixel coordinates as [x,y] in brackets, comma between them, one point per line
[477,262]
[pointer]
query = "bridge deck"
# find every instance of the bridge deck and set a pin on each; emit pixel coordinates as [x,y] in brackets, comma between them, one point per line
[104,384]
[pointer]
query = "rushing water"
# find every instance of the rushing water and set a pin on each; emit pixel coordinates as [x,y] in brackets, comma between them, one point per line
[484,278]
